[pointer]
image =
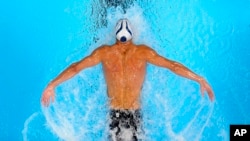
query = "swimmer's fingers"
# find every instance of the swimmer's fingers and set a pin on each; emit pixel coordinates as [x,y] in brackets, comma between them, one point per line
[205,87]
[210,94]
[47,96]
[45,100]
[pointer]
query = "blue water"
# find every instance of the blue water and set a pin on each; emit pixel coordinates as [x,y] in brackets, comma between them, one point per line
[38,39]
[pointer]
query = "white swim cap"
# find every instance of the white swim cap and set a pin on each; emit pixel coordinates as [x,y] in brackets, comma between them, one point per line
[123,30]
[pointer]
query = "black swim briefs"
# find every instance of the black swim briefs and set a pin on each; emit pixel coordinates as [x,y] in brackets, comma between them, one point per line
[125,125]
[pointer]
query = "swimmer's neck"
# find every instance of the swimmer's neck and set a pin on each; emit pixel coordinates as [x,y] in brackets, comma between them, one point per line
[124,47]
[124,43]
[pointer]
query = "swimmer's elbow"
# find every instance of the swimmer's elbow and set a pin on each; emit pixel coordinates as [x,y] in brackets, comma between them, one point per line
[175,67]
[75,68]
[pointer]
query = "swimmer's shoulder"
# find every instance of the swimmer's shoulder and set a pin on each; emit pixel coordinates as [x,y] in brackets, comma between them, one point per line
[103,48]
[144,48]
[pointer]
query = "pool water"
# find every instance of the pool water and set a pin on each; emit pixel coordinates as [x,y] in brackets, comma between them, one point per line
[41,38]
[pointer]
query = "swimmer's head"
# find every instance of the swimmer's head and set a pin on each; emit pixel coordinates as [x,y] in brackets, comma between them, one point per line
[123,30]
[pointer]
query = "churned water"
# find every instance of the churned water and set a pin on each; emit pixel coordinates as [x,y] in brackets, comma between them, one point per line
[40,39]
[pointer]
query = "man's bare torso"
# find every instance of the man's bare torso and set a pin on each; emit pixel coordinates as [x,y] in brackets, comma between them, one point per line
[124,70]
[124,66]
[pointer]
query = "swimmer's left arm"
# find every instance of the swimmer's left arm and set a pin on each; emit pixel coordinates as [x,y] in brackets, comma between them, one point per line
[69,72]
[153,58]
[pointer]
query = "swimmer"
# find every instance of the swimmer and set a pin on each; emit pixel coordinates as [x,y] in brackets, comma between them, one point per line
[124,66]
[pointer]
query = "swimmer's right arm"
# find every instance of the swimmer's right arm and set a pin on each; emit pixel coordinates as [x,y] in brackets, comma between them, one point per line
[68,73]
[179,69]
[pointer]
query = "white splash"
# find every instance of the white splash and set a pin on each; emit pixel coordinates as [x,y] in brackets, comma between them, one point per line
[26,126]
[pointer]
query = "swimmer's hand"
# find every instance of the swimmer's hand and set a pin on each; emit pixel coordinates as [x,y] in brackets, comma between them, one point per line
[48,94]
[206,87]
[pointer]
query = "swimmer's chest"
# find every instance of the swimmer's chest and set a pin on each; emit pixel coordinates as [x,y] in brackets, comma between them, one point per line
[124,62]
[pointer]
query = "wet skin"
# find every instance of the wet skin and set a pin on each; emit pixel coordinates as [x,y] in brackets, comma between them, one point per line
[124,67]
